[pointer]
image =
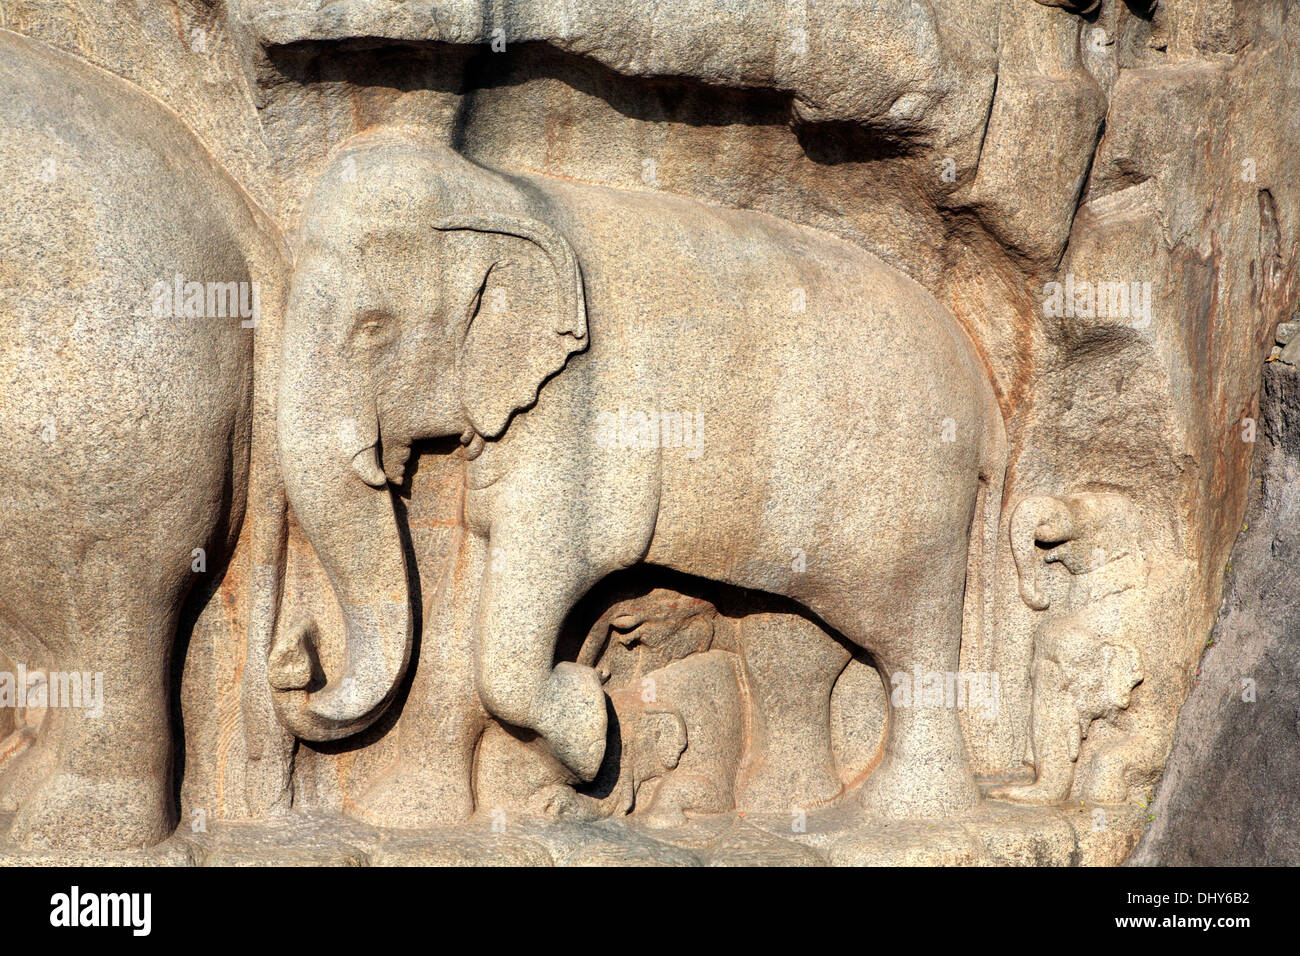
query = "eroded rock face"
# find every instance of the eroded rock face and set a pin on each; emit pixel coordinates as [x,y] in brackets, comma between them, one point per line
[1229,793]
[720,428]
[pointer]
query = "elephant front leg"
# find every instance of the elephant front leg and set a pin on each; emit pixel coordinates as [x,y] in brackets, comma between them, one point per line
[1054,731]
[431,780]
[527,593]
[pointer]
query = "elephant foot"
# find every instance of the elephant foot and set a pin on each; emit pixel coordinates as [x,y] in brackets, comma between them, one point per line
[919,790]
[1102,780]
[68,811]
[1039,793]
[25,761]
[561,802]
[571,716]
[664,818]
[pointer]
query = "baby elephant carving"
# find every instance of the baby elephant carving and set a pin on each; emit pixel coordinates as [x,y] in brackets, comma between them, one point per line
[1077,678]
[684,736]
[1083,669]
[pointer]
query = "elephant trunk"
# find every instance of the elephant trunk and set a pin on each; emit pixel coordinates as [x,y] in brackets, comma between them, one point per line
[338,494]
[1038,519]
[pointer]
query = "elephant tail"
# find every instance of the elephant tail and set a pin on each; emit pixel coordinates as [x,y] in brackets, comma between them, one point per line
[982,570]
[268,747]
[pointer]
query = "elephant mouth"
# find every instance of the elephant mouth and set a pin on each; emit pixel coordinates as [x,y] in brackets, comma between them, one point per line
[395,454]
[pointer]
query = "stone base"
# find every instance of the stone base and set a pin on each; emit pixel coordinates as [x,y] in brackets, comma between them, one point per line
[998,834]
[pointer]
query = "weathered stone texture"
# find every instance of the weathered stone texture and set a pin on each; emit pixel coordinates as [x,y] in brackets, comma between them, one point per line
[950,314]
[1230,793]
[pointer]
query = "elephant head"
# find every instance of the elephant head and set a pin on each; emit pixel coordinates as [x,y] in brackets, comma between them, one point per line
[428,300]
[1083,532]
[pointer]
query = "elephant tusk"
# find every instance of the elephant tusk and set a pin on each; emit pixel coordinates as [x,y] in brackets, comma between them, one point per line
[366,464]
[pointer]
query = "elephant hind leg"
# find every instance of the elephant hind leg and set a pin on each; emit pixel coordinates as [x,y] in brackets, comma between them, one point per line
[108,788]
[924,771]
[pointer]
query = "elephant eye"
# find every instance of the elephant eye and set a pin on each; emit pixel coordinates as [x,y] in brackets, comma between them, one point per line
[372,324]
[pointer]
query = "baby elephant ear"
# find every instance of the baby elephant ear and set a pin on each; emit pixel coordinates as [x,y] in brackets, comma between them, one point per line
[518,335]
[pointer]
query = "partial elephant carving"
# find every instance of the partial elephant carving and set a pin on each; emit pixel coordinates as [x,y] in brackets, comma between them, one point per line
[1084,669]
[435,297]
[683,732]
[1084,533]
[126,423]
[637,639]
[784,668]
[642,633]
[710,713]
[644,641]
[1077,678]
[790,668]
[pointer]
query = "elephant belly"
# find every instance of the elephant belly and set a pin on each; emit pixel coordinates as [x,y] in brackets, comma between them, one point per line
[814,417]
[849,540]
[850,488]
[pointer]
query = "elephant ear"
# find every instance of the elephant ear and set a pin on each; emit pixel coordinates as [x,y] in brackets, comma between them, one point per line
[515,339]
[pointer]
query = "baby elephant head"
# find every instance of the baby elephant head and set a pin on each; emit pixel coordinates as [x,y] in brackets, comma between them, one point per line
[429,299]
[1083,532]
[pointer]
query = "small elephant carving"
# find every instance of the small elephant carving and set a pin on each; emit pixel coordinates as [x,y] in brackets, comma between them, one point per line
[672,665]
[1083,668]
[644,643]
[684,737]
[1077,678]
[646,632]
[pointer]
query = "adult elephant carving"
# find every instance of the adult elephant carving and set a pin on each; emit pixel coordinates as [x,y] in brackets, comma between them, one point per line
[126,426]
[634,377]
